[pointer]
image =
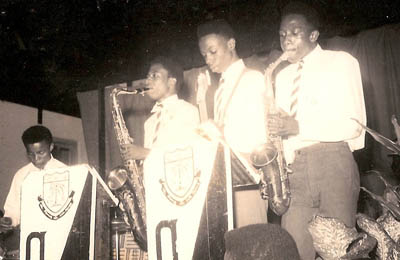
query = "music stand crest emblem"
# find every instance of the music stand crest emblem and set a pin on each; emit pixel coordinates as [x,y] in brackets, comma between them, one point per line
[180,182]
[56,198]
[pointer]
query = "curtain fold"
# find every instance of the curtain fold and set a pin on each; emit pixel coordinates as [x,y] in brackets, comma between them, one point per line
[379,57]
[89,107]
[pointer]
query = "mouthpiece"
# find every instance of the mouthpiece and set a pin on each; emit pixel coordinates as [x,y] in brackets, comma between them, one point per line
[141,90]
[125,91]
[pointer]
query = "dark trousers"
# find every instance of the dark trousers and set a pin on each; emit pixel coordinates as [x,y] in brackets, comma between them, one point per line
[325,181]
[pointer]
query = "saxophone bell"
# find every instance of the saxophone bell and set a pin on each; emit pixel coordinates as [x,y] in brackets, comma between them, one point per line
[117,178]
[263,155]
[274,182]
[119,183]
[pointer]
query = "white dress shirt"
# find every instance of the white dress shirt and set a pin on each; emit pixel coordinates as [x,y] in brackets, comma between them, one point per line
[178,120]
[13,201]
[330,95]
[244,118]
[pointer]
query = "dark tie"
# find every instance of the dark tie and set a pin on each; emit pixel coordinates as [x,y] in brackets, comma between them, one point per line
[295,91]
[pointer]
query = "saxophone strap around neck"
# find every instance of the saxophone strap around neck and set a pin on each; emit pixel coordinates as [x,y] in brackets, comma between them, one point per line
[227,103]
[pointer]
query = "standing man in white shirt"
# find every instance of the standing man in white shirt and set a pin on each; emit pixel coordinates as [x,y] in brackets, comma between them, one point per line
[38,142]
[173,120]
[238,107]
[319,93]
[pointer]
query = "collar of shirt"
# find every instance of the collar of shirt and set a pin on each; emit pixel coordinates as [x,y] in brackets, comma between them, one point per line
[232,73]
[309,62]
[159,106]
[48,165]
[230,76]
[227,82]
[311,56]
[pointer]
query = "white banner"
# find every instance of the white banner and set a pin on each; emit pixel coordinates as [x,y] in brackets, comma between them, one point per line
[176,181]
[49,200]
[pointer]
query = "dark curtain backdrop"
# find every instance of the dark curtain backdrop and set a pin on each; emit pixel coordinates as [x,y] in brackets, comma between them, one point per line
[378,53]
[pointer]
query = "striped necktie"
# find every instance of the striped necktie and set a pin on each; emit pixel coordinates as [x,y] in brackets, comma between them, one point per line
[294,93]
[157,109]
[218,107]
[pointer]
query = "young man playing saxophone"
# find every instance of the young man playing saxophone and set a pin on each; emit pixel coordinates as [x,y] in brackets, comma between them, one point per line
[172,119]
[318,93]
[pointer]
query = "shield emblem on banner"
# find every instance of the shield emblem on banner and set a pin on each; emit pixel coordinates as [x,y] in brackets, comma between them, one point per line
[56,198]
[180,182]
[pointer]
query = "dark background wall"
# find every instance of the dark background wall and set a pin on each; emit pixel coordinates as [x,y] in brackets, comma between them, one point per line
[52,49]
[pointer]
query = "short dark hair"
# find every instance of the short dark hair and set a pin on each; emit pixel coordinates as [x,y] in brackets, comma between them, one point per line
[219,26]
[260,241]
[174,69]
[301,8]
[35,134]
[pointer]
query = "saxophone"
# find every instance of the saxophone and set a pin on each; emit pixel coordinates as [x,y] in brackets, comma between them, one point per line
[268,158]
[127,182]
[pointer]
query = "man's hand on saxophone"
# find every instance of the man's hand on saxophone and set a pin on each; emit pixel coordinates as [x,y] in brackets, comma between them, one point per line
[281,124]
[133,151]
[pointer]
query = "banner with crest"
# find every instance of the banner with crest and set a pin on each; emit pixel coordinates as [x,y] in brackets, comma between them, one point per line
[177,180]
[49,201]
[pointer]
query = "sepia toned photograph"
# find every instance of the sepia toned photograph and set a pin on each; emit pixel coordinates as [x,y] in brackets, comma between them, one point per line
[199,130]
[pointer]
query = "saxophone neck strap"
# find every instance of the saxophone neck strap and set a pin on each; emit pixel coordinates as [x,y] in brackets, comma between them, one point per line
[222,118]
